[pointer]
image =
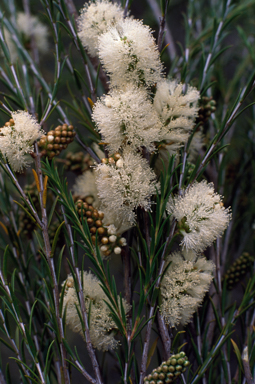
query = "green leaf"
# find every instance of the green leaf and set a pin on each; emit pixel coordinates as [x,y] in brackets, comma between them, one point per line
[7,345]
[5,263]
[238,354]
[151,352]
[46,369]
[54,244]
[59,263]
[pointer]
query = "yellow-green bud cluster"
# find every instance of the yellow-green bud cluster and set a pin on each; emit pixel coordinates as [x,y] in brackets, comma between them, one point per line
[207,107]
[56,140]
[78,162]
[238,270]
[27,225]
[169,370]
[108,241]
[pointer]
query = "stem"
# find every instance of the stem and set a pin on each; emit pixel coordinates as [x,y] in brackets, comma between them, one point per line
[223,321]
[13,343]
[152,308]
[51,264]
[71,8]
[199,344]
[246,366]
[2,379]
[164,28]
[166,340]
[183,169]
[75,38]
[126,9]
[21,326]
[90,348]
[216,38]
[89,150]
[127,274]
[147,230]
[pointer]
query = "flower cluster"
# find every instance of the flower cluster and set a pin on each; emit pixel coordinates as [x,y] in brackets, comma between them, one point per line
[141,112]
[28,26]
[125,185]
[17,138]
[183,286]
[101,326]
[200,214]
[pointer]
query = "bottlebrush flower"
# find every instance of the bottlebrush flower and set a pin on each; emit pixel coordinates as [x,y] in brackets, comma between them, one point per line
[17,138]
[200,214]
[95,19]
[126,185]
[129,54]
[127,116]
[183,286]
[28,26]
[176,111]
[101,326]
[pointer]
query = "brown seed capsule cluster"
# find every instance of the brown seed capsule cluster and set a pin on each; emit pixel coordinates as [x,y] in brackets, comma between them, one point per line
[108,241]
[55,141]
[169,370]
[238,270]
[27,225]
[207,107]
[78,162]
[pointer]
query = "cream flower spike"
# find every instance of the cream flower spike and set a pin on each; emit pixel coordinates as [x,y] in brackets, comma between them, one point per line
[95,19]
[129,54]
[176,110]
[184,286]
[124,188]
[101,327]
[127,116]
[17,138]
[201,216]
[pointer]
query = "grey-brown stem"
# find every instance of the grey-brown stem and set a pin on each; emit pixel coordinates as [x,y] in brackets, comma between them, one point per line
[165,337]
[51,263]
[90,348]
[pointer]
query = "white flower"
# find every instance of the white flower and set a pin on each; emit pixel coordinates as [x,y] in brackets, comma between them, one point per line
[176,111]
[28,26]
[17,138]
[127,116]
[122,190]
[101,326]
[95,19]
[129,54]
[85,185]
[200,214]
[183,286]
